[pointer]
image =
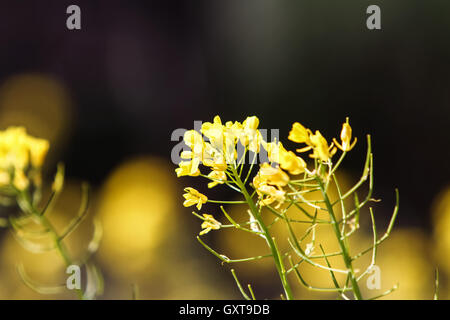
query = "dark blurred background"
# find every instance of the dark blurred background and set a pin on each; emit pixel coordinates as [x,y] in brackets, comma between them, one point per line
[110,95]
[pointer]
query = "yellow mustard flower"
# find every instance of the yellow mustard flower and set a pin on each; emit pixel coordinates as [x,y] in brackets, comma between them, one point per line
[193,197]
[193,140]
[346,137]
[251,123]
[18,151]
[20,180]
[216,161]
[38,151]
[214,132]
[268,183]
[271,194]
[233,130]
[188,168]
[222,139]
[250,136]
[316,141]
[288,160]
[321,150]
[272,175]
[292,163]
[299,134]
[209,224]
[217,177]
[268,193]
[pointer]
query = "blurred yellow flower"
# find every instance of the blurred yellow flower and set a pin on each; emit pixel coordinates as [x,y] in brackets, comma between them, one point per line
[193,197]
[209,224]
[441,227]
[18,151]
[134,205]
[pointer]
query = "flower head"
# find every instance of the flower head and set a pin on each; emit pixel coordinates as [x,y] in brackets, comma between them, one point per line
[188,168]
[272,175]
[193,197]
[288,160]
[299,133]
[321,150]
[346,137]
[268,183]
[251,137]
[217,177]
[18,152]
[209,224]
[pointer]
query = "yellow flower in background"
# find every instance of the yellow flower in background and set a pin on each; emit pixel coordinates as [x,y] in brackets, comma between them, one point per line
[346,137]
[219,177]
[38,151]
[209,224]
[18,151]
[14,152]
[193,197]
[20,180]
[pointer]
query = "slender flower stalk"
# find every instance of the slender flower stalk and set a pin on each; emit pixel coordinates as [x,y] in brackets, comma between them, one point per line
[270,241]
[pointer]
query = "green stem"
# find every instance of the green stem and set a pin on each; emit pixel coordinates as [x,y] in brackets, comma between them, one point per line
[270,241]
[342,245]
[59,245]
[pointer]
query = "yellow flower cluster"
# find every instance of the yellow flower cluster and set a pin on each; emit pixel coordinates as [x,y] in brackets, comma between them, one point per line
[319,144]
[220,155]
[221,148]
[19,152]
